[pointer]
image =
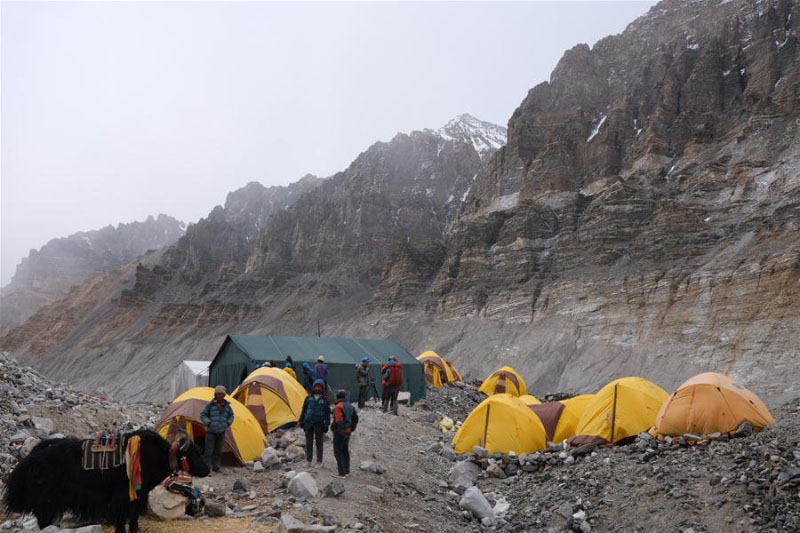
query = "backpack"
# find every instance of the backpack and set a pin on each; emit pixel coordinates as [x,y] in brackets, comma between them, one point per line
[395,376]
[353,421]
[315,412]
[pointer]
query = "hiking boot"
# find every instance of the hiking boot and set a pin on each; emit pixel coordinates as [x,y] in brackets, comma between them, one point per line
[340,476]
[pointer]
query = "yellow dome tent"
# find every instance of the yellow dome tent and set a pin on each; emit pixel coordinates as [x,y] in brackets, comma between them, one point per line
[437,370]
[456,373]
[710,403]
[619,411]
[501,423]
[273,396]
[504,380]
[244,440]
[559,419]
[529,399]
[571,416]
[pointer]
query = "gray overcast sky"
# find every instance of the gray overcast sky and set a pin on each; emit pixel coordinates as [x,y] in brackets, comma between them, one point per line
[115,111]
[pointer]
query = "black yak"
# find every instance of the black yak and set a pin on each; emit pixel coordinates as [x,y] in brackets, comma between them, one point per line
[50,481]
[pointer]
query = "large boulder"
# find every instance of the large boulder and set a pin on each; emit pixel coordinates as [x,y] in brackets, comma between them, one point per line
[270,457]
[464,473]
[44,425]
[26,448]
[474,501]
[167,505]
[303,486]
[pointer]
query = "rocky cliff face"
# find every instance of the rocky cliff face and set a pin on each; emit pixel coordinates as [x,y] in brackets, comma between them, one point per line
[267,262]
[47,274]
[641,219]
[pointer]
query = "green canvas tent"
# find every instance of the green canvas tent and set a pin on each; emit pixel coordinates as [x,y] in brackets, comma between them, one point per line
[241,354]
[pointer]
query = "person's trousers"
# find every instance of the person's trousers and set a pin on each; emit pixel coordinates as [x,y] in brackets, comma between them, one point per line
[362,396]
[315,433]
[214,442]
[390,398]
[341,450]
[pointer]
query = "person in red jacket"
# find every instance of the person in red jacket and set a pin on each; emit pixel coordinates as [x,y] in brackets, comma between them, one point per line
[392,379]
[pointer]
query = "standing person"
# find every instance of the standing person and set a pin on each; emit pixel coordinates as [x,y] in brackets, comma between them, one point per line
[266,364]
[344,422]
[362,378]
[308,377]
[289,370]
[321,372]
[392,381]
[315,417]
[289,361]
[217,417]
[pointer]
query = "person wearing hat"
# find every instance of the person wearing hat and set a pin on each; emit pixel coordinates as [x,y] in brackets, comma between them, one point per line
[314,418]
[266,364]
[362,378]
[289,370]
[217,417]
[321,372]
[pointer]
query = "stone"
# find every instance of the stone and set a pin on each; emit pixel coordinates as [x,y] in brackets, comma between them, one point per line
[585,527]
[290,524]
[745,429]
[374,489]
[303,486]
[166,505]
[44,425]
[27,446]
[270,457]
[214,509]
[580,515]
[240,485]
[463,474]
[583,450]
[286,440]
[448,453]
[474,501]
[95,528]
[404,397]
[293,451]
[258,466]
[496,470]
[372,466]
[334,489]
[566,509]
[480,452]
[18,438]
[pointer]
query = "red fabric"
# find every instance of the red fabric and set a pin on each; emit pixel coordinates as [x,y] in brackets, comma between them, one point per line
[395,375]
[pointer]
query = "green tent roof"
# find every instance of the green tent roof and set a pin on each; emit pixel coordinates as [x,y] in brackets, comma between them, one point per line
[335,349]
[241,354]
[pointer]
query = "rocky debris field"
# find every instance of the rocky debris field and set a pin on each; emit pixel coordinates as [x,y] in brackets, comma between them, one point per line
[406,477]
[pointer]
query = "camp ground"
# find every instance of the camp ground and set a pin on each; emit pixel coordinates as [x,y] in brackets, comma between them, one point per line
[240,355]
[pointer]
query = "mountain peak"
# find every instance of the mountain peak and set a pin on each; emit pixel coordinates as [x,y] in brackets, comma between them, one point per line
[484,136]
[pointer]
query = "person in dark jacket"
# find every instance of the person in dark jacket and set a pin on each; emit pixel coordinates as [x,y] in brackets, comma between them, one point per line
[315,418]
[321,372]
[342,424]
[308,377]
[392,380]
[217,417]
[362,378]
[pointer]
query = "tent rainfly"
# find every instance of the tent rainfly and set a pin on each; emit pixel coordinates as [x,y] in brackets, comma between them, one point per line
[239,355]
[188,375]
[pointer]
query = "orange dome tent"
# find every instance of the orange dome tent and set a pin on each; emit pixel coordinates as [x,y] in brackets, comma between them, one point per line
[710,403]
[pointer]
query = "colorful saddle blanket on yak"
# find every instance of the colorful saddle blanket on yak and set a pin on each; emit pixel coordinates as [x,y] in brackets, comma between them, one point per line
[102,454]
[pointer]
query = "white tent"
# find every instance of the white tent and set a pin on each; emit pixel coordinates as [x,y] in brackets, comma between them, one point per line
[188,375]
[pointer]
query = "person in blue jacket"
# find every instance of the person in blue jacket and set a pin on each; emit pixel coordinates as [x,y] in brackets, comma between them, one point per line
[315,418]
[217,417]
[321,372]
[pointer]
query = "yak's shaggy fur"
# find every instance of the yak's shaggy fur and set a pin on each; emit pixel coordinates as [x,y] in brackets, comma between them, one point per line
[50,482]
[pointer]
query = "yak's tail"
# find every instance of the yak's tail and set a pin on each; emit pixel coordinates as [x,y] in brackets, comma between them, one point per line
[26,481]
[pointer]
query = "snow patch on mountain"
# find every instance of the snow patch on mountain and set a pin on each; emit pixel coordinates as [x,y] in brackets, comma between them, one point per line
[484,136]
